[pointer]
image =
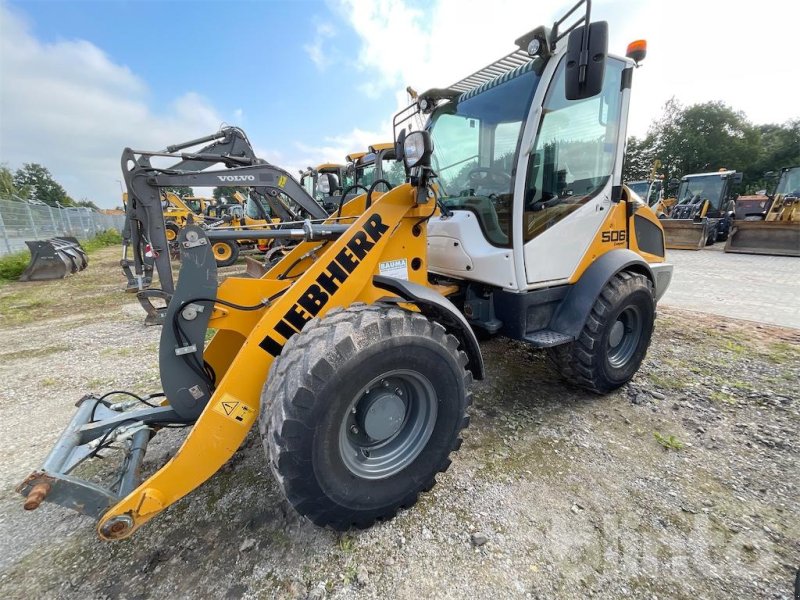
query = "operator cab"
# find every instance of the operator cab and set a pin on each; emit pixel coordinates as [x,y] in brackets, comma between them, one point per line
[509,171]
[378,163]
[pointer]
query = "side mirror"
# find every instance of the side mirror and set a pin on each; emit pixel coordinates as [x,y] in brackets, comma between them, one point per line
[399,150]
[587,48]
[737,178]
[769,175]
[673,184]
[417,149]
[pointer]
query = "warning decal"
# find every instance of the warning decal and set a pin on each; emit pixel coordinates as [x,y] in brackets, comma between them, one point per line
[235,410]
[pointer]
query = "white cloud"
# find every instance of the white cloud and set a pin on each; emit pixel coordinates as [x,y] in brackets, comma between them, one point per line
[69,107]
[317,51]
[335,148]
[698,51]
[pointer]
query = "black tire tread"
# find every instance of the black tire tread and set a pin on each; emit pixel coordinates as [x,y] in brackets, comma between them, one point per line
[576,361]
[308,360]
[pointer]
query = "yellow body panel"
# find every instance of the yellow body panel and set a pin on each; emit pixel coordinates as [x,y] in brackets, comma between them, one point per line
[615,233]
[392,228]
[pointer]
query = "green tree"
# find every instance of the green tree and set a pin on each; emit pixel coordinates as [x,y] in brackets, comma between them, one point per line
[87,203]
[7,187]
[180,191]
[639,159]
[41,184]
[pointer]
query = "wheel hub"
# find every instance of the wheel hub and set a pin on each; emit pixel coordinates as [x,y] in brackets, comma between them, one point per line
[617,331]
[383,416]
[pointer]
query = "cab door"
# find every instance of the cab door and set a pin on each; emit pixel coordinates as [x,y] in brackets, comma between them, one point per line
[574,160]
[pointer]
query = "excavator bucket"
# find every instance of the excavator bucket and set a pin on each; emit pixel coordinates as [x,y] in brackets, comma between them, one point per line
[54,259]
[685,234]
[777,238]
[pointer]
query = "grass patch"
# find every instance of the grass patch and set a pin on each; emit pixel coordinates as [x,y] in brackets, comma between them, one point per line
[110,237]
[668,442]
[12,265]
[669,383]
[782,352]
[33,352]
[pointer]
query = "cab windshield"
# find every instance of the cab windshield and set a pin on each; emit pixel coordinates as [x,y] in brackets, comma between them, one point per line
[705,187]
[640,188]
[476,144]
[367,171]
[789,183]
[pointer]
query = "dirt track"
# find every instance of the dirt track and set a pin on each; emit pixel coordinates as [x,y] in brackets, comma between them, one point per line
[574,492]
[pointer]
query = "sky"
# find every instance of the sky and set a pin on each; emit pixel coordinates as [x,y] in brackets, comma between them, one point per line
[311,81]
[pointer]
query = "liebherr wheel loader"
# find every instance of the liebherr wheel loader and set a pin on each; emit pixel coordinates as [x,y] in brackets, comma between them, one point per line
[354,354]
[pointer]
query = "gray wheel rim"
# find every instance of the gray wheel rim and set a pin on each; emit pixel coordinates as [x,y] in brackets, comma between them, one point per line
[624,337]
[399,408]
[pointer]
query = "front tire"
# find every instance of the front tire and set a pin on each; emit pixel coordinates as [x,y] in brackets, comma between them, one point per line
[614,340]
[360,412]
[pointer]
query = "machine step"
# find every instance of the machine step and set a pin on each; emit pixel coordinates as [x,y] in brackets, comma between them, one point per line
[547,338]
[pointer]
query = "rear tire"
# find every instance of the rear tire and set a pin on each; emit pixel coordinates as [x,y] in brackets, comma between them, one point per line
[364,371]
[614,340]
[225,253]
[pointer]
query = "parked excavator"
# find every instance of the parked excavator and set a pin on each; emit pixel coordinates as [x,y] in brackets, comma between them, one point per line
[144,233]
[703,211]
[354,355]
[769,224]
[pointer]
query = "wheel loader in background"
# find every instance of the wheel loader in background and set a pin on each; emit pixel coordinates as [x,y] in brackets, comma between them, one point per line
[769,224]
[325,183]
[355,353]
[703,211]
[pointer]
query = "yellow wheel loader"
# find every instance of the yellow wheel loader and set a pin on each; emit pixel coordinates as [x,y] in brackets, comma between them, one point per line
[325,183]
[769,224]
[354,354]
[703,211]
[180,211]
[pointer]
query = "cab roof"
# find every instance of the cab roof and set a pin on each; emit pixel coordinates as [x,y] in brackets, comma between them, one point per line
[354,156]
[328,167]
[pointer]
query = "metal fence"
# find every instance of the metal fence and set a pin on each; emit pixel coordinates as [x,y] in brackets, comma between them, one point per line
[20,221]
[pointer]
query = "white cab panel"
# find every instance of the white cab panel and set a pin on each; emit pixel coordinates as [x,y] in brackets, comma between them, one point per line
[473,258]
[555,254]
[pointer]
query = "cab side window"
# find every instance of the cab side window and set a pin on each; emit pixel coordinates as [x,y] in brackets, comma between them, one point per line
[573,154]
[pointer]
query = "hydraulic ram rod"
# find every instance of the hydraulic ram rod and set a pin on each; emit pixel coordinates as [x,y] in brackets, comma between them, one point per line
[308,232]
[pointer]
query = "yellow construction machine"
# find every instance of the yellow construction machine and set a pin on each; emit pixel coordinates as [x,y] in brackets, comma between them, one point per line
[354,354]
[703,211]
[180,211]
[769,224]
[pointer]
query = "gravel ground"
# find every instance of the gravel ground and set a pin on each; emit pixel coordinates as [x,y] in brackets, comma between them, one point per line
[683,484]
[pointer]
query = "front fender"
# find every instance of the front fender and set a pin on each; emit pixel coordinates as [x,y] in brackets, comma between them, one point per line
[438,308]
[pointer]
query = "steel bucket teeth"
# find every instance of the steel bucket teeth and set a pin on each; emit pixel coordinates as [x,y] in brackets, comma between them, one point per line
[54,259]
